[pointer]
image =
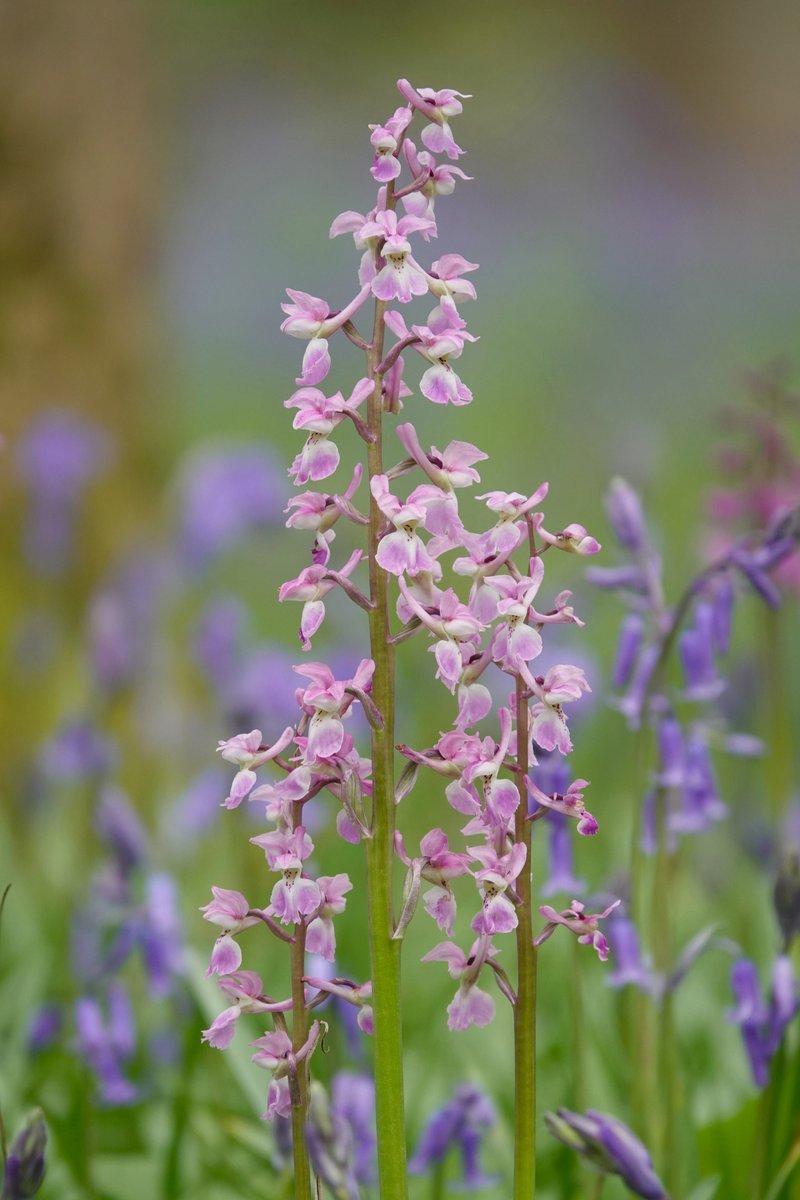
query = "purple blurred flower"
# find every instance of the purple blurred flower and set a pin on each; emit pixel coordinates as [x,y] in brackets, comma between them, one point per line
[562,875]
[763,1024]
[353,1099]
[122,617]
[624,511]
[107,1044]
[462,1123]
[696,646]
[609,1147]
[58,456]
[24,1166]
[218,640]
[76,752]
[162,934]
[628,965]
[44,1028]
[196,808]
[224,494]
[120,828]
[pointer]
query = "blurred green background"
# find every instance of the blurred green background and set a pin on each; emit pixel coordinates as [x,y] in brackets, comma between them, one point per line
[167,170]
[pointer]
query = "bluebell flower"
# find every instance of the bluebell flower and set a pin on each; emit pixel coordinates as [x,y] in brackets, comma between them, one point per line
[57,456]
[562,876]
[24,1167]
[763,1023]
[77,751]
[107,1043]
[224,494]
[629,966]
[608,1146]
[462,1123]
[44,1027]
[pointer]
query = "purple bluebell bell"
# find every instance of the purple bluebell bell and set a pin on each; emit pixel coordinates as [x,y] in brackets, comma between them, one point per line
[122,617]
[44,1028]
[626,578]
[120,828]
[196,809]
[107,1044]
[608,1146]
[551,774]
[58,456]
[562,875]
[696,647]
[218,641]
[628,965]
[631,636]
[330,1144]
[224,494]
[462,1122]
[671,753]
[631,705]
[701,805]
[625,515]
[162,934]
[77,751]
[754,566]
[763,1024]
[24,1166]
[263,689]
[353,1100]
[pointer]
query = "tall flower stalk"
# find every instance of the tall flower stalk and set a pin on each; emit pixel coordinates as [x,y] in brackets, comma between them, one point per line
[496,628]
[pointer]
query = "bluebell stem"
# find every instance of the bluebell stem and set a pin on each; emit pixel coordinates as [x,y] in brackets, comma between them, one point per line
[786,898]
[608,1146]
[25,1165]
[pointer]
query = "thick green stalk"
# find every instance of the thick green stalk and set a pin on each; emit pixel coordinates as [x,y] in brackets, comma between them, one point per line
[302,1172]
[384,951]
[525,1007]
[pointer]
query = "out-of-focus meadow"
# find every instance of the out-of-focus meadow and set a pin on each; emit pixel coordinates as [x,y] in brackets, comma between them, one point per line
[167,171]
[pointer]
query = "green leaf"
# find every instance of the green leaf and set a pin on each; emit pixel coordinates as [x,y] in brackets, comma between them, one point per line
[237,1055]
[706,1189]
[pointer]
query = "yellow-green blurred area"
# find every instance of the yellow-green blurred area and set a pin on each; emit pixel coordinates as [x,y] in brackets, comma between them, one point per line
[167,169]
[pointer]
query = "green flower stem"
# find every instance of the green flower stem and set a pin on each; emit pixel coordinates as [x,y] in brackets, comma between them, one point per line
[778,733]
[525,1007]
[300,1023]
[384,951]
[664,1085]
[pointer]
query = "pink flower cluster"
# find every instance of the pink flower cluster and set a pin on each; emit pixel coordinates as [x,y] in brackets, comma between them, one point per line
[323,756]
[474,594]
